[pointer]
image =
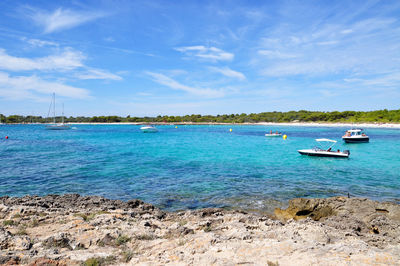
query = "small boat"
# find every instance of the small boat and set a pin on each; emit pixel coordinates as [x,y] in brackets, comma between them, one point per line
[275,134]
[319,152]
[355,136]
[54,125]
[149,129]
[58,126]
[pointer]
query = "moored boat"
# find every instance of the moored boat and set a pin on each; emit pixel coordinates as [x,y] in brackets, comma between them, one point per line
[54,125]
[149,129]
[273,134]
[319,152]
[355,136]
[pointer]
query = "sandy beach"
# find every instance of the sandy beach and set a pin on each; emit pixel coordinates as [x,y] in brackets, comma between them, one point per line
[347,125]
[78,230]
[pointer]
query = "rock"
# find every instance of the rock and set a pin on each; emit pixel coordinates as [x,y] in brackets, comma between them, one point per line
[47,262]
[107,240]
[21,243]
[310,232]
[60,240]
[5,237]
[302,208]
[9,260]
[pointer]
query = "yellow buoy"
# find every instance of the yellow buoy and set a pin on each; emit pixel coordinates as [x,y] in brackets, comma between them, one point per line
[284,137]
[176,127]
[230,130]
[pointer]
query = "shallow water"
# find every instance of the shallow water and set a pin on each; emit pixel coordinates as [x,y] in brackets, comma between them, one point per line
[196,166]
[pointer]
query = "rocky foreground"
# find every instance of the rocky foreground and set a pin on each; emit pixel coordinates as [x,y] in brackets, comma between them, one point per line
[76,230]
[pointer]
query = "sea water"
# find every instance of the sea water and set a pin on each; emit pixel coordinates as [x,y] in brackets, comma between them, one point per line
[196,166]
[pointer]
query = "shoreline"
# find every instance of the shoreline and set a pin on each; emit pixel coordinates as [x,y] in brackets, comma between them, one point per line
[73,230]
[301,124]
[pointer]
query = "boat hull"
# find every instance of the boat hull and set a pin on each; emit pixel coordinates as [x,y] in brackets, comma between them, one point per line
[324,154]
[149,129]
[273,135]
[58,127]
[355,140]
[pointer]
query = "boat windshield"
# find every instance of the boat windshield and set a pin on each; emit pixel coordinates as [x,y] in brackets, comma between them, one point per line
[324,145]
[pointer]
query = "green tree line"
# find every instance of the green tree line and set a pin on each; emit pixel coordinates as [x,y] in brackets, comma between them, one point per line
[381,116]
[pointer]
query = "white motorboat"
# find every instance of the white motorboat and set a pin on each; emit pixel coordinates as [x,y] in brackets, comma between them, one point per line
[319,152]
[355,136]
[54,125]
[149,129]
[273,134]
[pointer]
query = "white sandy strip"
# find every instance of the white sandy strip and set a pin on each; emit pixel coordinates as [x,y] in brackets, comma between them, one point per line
[347,125]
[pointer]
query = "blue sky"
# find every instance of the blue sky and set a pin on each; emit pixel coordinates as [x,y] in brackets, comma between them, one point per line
[150,58]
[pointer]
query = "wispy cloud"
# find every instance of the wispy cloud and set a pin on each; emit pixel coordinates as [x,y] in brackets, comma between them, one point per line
[24,86]
[61,19]
[331,48]
[328,93]
[206,53]
[173,84]
[67,60]
[277,54]
[97,74]
[39,43]
[226,71]
[386,80]
[327,43]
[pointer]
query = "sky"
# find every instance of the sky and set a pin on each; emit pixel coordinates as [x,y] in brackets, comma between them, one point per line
[149,58]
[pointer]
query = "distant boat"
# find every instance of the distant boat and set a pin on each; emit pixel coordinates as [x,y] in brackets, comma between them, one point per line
[355,136]
[149,129]
[319,152]
[271,134]
[54,125]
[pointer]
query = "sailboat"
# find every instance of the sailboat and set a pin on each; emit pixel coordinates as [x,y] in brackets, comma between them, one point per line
[54,125]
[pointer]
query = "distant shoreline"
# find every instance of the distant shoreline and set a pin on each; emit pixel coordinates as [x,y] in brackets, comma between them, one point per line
[301,124]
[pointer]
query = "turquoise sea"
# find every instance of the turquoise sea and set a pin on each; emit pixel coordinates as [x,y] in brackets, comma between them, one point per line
[196,166]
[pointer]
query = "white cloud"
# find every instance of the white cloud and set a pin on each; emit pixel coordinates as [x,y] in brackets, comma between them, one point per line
[20,87]
[387,80]
[328,93]
[207,53]
[327,43]
[346,31]
[226,71]
[277,54]
[39,43]
[109,39]
[173,84]
[61,19]
[67,60]
[97,74]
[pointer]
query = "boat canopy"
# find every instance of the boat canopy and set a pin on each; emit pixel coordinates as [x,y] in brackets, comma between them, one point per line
[326,140]
[354,130]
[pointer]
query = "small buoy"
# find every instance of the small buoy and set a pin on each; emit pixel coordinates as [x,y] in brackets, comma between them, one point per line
[6,137]
[284,137]
[176,126]
[230,130]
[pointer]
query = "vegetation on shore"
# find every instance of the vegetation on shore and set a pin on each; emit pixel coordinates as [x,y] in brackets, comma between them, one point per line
[382,116]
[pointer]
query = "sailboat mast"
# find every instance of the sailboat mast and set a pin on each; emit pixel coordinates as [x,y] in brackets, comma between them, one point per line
[62,119]
[54,107]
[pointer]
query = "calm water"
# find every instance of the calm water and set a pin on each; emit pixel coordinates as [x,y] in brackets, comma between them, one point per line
[195,166]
